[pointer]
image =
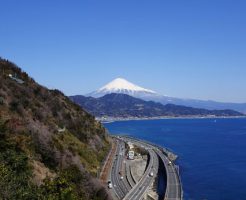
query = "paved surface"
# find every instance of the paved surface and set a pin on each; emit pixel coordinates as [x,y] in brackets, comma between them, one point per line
[139,190]
[173,190]
[129,175]
[126,190]
[106,169]
[120,187]
[141,187]
[174,187]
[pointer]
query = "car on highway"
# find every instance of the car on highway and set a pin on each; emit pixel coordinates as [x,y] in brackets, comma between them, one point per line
[121,178]
[169,163]
[110,186]
[151,174]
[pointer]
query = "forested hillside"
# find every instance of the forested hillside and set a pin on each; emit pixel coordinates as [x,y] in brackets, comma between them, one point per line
[50,148]
[125,106]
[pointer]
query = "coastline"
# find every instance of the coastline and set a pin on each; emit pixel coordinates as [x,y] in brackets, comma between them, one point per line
[105,120]
[196,142]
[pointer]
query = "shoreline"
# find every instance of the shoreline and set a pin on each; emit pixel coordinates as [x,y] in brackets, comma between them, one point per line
[119,119]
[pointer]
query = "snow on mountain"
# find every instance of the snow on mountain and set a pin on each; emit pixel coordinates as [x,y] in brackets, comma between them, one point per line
[122,86]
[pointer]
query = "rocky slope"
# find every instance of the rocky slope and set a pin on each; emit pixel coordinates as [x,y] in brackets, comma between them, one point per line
[50,148]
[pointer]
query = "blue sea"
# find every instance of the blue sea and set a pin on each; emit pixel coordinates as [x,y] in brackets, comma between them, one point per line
[212,153]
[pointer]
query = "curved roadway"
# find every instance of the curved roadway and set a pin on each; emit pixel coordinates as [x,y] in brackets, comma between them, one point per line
[174,186]
[121,187]
[140,189]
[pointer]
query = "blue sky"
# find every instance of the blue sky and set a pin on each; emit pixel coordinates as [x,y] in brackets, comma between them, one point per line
[190,49]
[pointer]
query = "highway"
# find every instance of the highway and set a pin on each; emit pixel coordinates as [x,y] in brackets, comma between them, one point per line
[129,175]
[123,169]
[121,187]
[139,190]
[127,191]
[174,188]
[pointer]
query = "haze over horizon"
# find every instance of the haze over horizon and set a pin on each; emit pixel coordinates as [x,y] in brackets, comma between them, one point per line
[180,49]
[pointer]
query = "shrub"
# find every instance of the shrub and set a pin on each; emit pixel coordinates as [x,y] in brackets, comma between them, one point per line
[14,172]
[13,105]
[3,127]
[1,100]
[37,91]
[59,188]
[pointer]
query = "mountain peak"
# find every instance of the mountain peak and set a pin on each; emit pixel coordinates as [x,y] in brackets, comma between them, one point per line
[122,86]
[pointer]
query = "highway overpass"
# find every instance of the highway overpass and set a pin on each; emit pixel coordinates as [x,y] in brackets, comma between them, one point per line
[126,190]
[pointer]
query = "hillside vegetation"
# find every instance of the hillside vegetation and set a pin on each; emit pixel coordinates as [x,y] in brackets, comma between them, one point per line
[124,106]
[50,148]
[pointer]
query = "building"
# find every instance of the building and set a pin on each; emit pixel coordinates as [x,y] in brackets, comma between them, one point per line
[130,155]
[16,79]
[131,146]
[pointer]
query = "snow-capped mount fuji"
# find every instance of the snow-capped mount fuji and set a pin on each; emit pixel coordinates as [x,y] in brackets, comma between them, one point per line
[122,86]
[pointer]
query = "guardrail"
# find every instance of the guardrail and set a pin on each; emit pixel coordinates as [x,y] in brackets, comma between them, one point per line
[167,153]
[128,196]
[103,163]
[180,182]
[164,150]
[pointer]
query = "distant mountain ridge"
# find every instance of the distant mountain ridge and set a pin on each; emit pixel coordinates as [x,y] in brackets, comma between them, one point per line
[125,106]
[122,86]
